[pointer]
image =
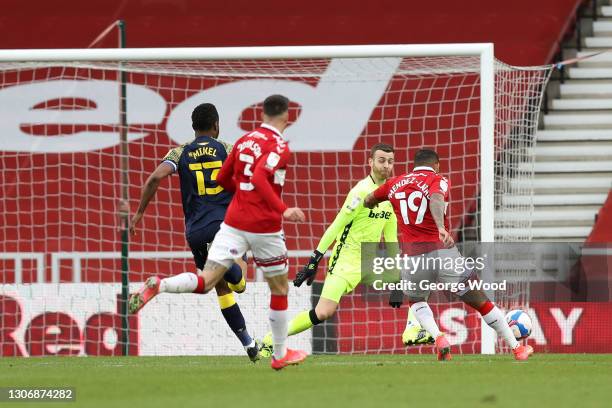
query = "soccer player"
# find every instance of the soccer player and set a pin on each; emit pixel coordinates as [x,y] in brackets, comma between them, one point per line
[204,205]
[419,200]
[353,226]
[255,170]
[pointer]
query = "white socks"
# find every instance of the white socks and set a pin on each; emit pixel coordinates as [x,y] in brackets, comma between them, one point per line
[496,320]
[424,315]
[185,282]
[279,324]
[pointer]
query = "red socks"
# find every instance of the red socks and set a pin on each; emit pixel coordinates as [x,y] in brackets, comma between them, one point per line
[278,302]
[200,287]
[486,308]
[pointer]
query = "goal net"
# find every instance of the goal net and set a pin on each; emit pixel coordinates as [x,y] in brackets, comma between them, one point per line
[61,187]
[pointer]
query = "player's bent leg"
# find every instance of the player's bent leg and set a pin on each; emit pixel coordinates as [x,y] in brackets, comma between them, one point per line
[229,244]
[212,274]
[325,309]
[148,291]
[235,276]
[496,320]
[186,282]
[235,320]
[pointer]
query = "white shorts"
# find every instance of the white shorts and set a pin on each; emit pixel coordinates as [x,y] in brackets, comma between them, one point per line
[269,249]
[447,270]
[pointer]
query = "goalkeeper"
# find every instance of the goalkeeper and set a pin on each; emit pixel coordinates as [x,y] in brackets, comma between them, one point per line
[353,226]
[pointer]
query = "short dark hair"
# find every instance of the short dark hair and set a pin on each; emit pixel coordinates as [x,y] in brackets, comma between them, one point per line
[204,117]
[381,146]
[275,105]
[426,157]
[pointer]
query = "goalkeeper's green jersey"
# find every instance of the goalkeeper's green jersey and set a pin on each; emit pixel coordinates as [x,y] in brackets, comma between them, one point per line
[356,224]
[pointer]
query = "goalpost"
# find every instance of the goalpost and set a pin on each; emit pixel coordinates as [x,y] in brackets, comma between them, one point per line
[60,181]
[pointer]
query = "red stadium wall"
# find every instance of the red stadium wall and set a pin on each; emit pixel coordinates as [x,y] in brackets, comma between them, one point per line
[525,32]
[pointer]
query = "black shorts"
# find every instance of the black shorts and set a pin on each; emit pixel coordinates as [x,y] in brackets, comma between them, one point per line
[200,240]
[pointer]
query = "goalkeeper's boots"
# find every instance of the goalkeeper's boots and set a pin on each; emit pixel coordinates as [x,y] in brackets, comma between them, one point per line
[416,336]
[149,290]
[292,357]
[443,348]
[522,352]
[253,352]
[267,348]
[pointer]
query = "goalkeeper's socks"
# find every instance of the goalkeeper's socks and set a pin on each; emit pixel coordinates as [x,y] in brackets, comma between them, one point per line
[278,324]
[496,320]
[303,321]
[233,316]
[185,282]
[425,316]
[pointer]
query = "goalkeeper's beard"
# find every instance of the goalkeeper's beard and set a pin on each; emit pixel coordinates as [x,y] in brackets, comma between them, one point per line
[381,175]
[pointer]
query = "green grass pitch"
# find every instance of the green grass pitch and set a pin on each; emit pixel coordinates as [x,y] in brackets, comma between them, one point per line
[547,380]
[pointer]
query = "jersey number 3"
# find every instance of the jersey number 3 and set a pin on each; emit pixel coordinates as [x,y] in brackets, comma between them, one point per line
[248,171]
[199,168]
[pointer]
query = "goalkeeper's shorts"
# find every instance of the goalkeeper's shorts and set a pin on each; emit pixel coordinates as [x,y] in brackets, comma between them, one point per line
[343,279]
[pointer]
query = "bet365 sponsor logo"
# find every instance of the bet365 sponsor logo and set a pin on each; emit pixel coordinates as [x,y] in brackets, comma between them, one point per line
[379,214]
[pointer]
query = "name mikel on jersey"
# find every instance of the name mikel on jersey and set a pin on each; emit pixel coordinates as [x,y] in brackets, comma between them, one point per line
[203,151]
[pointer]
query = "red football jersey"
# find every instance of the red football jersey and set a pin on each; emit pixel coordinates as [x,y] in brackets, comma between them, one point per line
[410,194]
[255,169]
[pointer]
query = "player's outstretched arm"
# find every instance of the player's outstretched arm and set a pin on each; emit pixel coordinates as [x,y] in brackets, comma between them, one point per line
[344,217]
[148,192]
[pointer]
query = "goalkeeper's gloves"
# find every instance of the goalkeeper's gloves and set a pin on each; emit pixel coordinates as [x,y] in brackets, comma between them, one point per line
[396,299]
[309,271]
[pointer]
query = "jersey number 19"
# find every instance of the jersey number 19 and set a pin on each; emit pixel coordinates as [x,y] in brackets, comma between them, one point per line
[410,204]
